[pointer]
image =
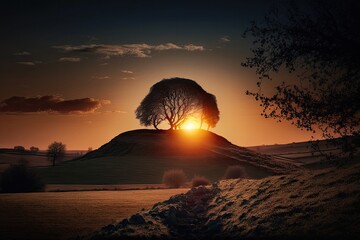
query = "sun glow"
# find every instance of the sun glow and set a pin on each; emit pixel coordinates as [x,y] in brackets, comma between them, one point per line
[190,125]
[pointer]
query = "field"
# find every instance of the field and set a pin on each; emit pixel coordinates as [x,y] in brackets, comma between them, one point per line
[8,157]
[300,153]
[130,170]
[60,215]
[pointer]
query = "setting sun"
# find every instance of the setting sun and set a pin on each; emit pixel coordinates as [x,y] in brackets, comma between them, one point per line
[190,125]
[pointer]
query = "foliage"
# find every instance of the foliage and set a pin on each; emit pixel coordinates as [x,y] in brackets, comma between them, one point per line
[19,148]
[319,45]
[34,149]
[56,152]
[19,178]
[210,112]
[174,100]
[174,178]
[200,181]
[233,172]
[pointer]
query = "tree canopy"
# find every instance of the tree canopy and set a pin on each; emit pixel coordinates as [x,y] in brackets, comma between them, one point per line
[174,100]
[318,43]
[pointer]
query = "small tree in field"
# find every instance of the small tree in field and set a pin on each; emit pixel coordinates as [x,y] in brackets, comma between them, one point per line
[34,149]
[174,178]
[56,152]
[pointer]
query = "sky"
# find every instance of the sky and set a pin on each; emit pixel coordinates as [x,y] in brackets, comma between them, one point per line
[75,71]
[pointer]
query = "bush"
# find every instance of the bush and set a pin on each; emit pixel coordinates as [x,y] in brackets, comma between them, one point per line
[174,178]
[233,172]
[19,148]
[19,178]
[199,181]
[34,149]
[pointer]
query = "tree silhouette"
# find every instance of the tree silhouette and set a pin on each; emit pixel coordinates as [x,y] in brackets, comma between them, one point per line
[174,100]
[318,43]
[56,152]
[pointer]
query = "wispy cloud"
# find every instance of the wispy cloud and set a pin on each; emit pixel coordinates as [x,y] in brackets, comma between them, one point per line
[128,78]
[224,39]
[69,59]
[192,47]
[50,104]
[142,50]
[30,63]
[127,71]
[22,53]
[102,77]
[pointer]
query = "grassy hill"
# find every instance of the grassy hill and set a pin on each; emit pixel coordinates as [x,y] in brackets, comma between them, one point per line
[312,204]
[142,156]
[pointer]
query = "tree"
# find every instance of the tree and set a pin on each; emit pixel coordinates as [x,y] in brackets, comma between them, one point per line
[319,45]
[34,149]
[19,148]
[56,152]
[174,100]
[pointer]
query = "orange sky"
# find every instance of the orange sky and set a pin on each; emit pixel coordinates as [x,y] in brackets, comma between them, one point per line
[95,53]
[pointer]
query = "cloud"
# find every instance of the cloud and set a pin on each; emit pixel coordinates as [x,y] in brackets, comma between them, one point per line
[224,39]
[30,63]
[127,71]
[141,50]
[102,77]
[22,53]
[50,104]
[69,59]
[192,47]
[128,78]
[27,63]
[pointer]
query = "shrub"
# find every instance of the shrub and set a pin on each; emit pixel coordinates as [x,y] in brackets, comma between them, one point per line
[34,149]
[19,148]
[19,178]
[233,172]
[199,181]
[174,178]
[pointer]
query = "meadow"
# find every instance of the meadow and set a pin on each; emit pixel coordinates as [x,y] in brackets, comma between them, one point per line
[61,215]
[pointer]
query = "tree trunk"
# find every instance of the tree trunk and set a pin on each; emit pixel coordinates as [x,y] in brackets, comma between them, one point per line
[54,158]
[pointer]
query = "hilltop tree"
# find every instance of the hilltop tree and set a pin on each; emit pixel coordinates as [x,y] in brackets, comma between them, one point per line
[174,100]
[56,152]
[318,44]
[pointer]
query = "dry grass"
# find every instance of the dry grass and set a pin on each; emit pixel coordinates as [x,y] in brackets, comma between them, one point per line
[63,215]
[312,204]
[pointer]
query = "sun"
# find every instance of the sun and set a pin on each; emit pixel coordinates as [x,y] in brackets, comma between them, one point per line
[190,125]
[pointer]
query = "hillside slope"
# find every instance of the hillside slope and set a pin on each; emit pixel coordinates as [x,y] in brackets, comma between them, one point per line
[167,143]
[318,204]
[142,156]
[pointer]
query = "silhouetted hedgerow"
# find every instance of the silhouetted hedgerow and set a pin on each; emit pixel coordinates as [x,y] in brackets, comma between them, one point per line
[20,178]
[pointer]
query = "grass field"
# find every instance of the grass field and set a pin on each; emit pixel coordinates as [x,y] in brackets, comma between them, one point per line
[127,170]
[53,215]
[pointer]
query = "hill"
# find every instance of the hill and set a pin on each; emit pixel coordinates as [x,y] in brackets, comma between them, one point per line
[313,204]
[142,156]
